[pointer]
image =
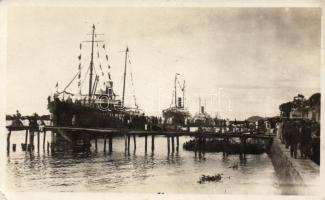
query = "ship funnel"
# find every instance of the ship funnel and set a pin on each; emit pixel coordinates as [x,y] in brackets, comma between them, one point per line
[109,88]
[202,109]
[180,105]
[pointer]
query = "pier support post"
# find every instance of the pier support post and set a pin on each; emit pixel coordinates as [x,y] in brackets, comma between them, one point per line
[26,137]
[110,144]
[244,146]
[8,141]
[96,143]
[177,143]
[241,146]
[203,144]
[145,143]
[129,143]
[152,143]
[125,142]
[48,147]
[168,144]
[225,146]
[173,144]
[44,139]
[105,144]
[134,142]
[195,145]
[38,141]
[31,140]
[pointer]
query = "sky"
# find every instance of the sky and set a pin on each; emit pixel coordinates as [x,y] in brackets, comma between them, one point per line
[239,61]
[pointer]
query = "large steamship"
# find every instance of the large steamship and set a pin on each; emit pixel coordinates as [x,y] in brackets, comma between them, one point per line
[100,107]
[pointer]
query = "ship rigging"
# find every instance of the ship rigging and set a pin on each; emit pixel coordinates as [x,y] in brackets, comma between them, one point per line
[101,101]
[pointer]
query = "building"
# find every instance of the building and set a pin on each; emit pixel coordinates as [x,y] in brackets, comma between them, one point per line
[300,108]
[313,108]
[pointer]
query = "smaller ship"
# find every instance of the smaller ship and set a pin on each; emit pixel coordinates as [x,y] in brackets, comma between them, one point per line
[202,118]
[177,114]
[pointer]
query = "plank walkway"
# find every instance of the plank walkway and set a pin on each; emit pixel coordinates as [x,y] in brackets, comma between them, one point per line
[110,133]
[122,132]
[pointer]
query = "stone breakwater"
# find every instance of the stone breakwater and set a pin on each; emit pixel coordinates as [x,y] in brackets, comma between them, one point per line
[298,176]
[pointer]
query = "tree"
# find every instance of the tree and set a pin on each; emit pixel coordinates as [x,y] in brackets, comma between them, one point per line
[299,101]
[286,108]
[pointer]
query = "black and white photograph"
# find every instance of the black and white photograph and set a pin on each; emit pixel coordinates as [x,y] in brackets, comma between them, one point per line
[161,100]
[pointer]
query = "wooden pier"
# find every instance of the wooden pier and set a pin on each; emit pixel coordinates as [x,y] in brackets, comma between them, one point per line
[87,134]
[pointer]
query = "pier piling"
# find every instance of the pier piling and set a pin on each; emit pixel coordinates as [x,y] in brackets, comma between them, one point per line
[105,144]
[26,136]
[168,144]
[203,144]
[29,147]
[177,143]
[195,145]
[152,142]
[225,147]
[48,147]
[173,144]
[110,144]
[44,139]
[145,143]
[8,141]
[38,141]
[129,143]
[95,143]
[125,142]
[31,140]
[134,143]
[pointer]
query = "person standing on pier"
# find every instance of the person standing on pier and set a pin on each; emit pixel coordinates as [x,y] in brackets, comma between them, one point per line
[285,133]
[305,140]
[17,119]
[293,137]
[315,142]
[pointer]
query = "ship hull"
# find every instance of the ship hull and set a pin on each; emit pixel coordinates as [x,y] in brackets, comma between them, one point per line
[73,114]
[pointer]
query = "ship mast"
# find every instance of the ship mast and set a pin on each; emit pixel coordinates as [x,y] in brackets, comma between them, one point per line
[184,94]
[126,56]
[175,92]
[91,62]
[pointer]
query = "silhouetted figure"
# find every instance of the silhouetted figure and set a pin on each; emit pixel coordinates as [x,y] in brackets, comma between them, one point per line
[33,122]
[293,137]
[285,133]
[305,140]
[17,119]
[315,143]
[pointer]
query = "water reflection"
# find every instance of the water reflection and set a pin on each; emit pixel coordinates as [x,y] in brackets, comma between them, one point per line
[138,171]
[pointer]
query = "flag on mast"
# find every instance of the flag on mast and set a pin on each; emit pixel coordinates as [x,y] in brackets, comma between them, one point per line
[57,86]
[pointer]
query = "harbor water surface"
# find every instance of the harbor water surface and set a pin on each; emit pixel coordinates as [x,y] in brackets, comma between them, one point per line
[137,171]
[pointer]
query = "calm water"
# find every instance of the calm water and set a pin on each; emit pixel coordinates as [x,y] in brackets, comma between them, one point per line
[137,172]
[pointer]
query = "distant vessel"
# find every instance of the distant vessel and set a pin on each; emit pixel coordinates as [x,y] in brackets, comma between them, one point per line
[100,107]
[177,113]
[202,117]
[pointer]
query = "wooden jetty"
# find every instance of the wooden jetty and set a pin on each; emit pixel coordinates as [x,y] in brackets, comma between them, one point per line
[71,134]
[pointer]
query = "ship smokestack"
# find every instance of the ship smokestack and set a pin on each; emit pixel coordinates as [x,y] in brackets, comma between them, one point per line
[180,105]
[202,109]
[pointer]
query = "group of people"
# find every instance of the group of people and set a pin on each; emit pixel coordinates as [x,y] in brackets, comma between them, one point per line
[300,135]
[34,121]
[142,122]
